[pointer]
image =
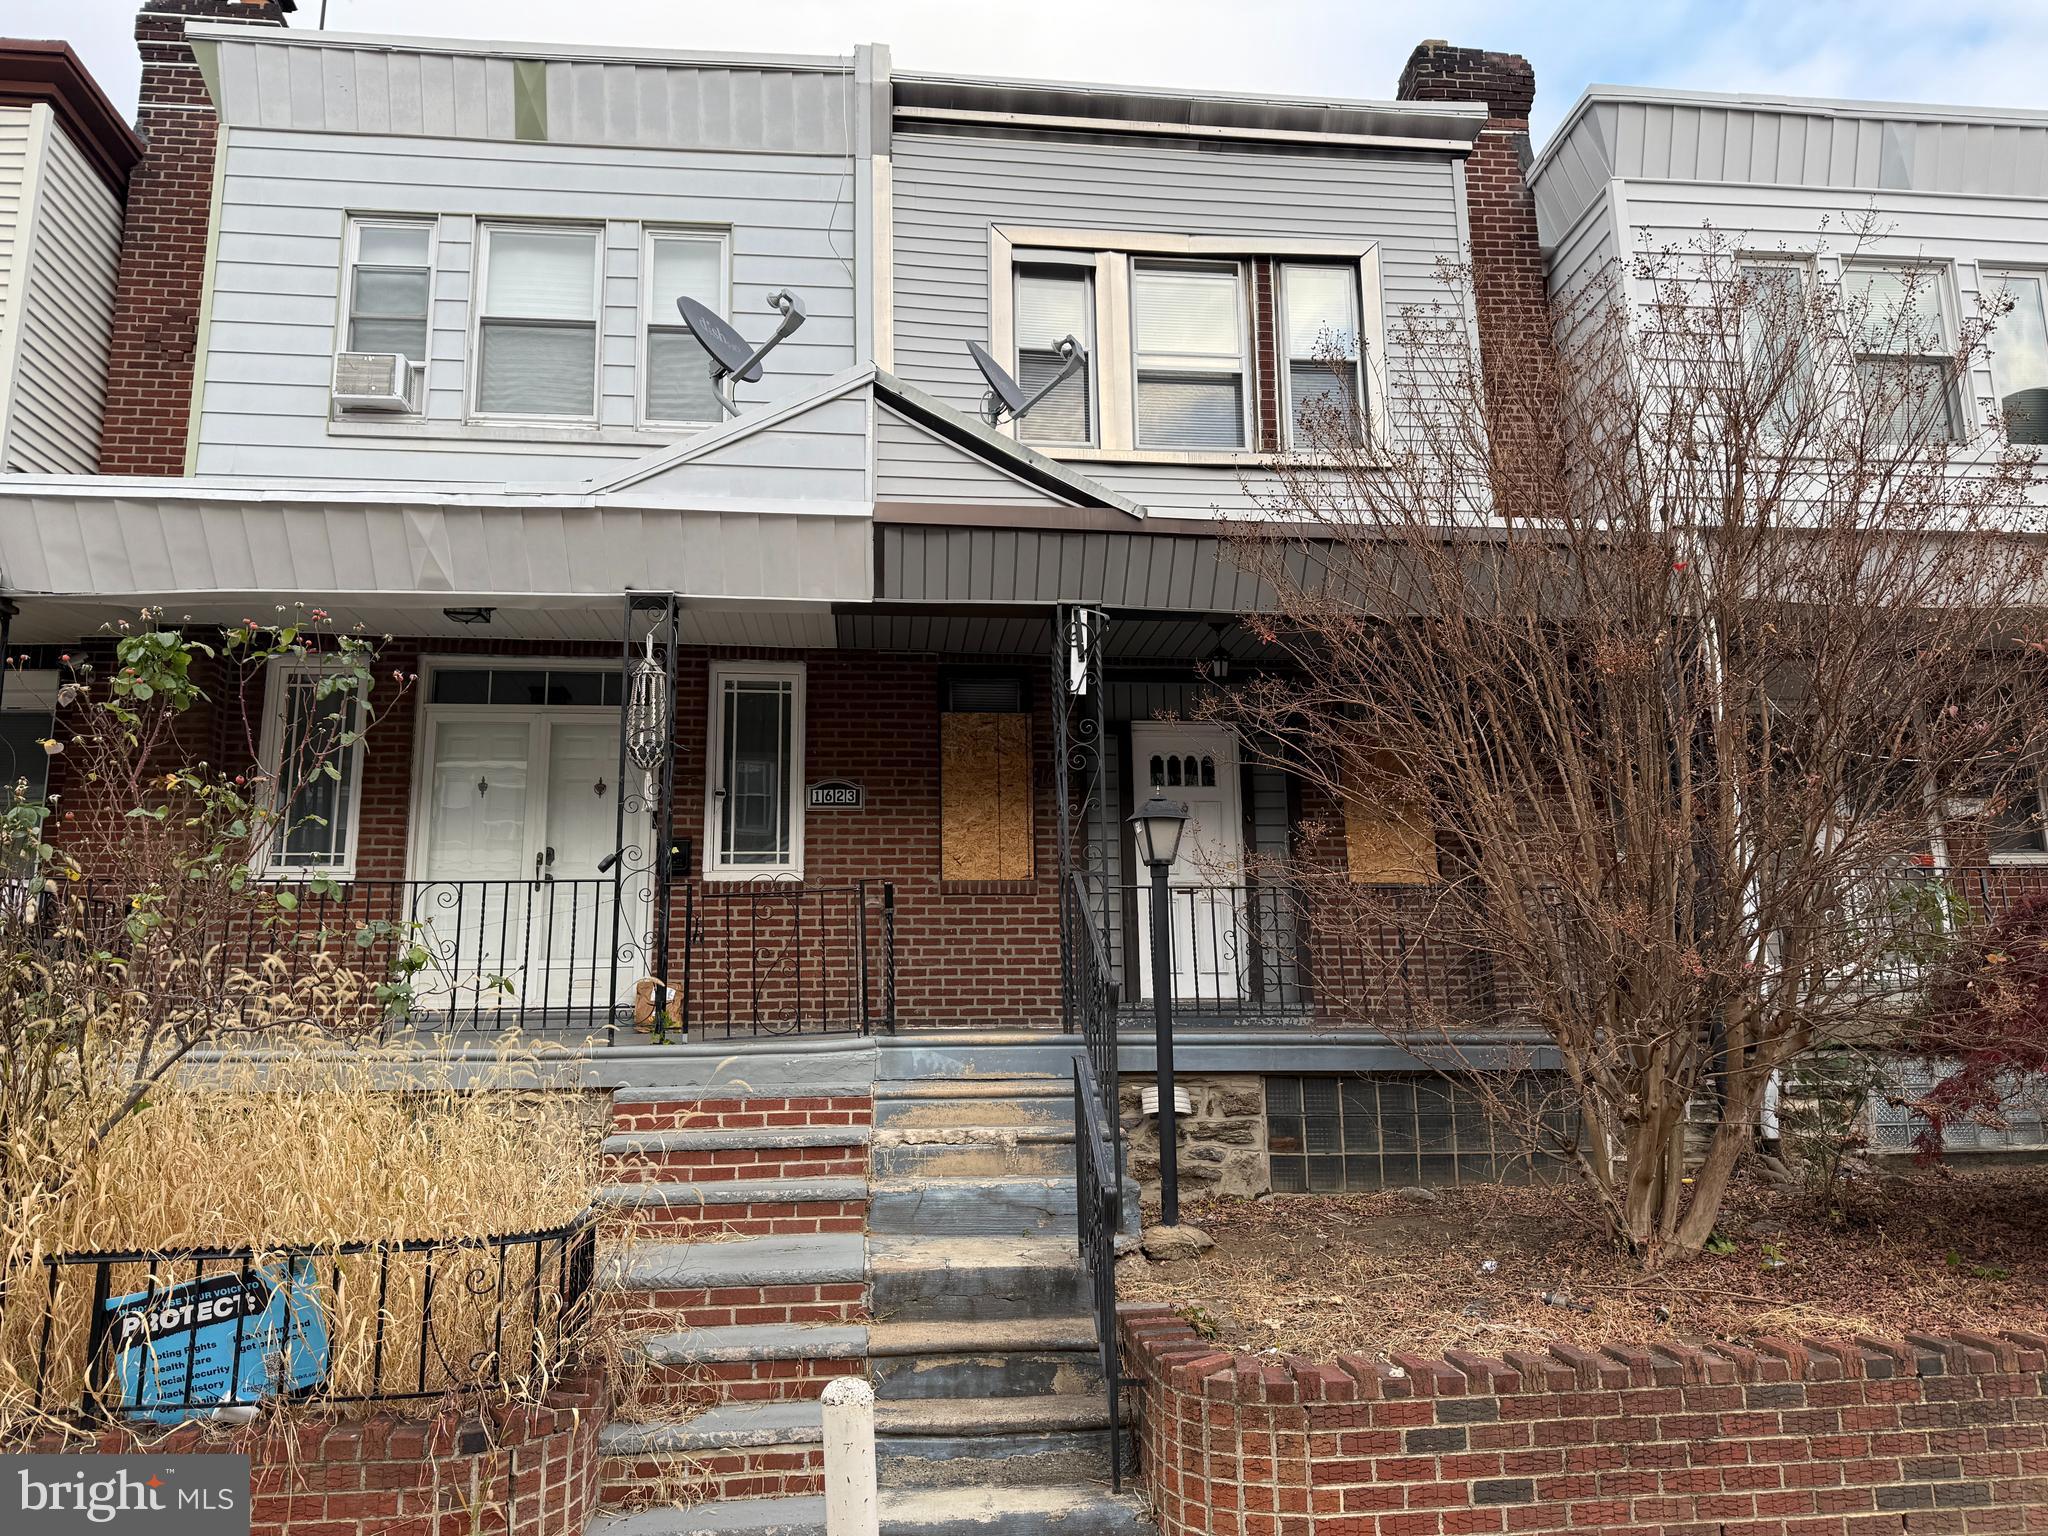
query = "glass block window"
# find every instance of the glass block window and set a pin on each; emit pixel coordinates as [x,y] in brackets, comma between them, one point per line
[1331,1135]
[2021,1103]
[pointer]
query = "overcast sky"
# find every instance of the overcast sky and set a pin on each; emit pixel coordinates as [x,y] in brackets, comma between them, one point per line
[1985,52]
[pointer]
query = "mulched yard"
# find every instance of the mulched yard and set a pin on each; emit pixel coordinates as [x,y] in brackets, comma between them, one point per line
[1490,1268]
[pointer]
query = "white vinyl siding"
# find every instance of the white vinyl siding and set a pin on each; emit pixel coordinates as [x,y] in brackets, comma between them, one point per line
[677,371]
[537,324]
[1053,303]
[1191,355]
[1319,327]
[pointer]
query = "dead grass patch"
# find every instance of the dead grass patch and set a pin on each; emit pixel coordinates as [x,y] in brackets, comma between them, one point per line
[1496,1267]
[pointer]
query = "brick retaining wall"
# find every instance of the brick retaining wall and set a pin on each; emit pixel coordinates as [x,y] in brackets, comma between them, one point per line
[1787,1437]
[529,1471]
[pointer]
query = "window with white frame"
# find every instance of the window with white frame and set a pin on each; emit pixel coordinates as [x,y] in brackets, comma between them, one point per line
[753,798]
[2019,355]
[537,323]
[676,371]
[390,285]
[1773,340]
[312,741]
[1055,300]
[1319,319]
[1189,354]
[1904,343]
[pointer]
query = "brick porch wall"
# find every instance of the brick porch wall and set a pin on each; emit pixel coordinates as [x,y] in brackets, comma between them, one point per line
[1787,1437]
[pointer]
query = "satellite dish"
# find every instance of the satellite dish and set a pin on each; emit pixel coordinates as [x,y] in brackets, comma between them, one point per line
[1005,400]
[730,356]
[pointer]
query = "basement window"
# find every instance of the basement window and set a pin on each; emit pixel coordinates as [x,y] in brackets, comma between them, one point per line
[1331,1135]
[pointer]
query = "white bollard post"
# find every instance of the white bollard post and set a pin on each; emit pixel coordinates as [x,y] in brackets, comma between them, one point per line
[851,1508]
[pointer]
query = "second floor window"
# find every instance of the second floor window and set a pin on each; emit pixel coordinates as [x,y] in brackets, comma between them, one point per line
[2019,360]
[678,371]
[1320,314]
[537,324]
[1903,354]
[390,279]
[1053,303]
[1188,337]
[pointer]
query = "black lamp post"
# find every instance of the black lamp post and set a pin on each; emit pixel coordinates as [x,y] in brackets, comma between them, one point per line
[1156,828]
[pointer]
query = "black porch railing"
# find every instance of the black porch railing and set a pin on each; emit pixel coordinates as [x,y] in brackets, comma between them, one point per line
[186,1333]
[771,957]
[1098,1206]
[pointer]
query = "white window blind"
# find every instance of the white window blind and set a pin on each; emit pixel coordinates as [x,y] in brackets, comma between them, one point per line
[1187,325]
[2019,360]
[537,334]
[1053,303]
[1325,390]
[1902,350]
[678,369]
[388,290]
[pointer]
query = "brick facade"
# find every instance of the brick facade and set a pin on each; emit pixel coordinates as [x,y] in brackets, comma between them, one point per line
[520,1471]
[1784,1437]
[1508,286]
[163,246]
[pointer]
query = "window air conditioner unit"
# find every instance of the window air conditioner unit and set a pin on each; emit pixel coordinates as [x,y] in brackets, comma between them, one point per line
[373,381]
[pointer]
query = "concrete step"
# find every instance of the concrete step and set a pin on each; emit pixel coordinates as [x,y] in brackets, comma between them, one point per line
[974,1151]
[1004,1102]
[985,1360]
[726,1427]
[1056,1511]
[971,1207]
[741,1207]
[731,1451]
[676,1109]
[954,1056]
[747,1364]
[920,1279]
[660,1287]
[950,1442]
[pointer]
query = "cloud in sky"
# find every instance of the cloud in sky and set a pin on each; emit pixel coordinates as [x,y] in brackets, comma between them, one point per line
[1980,52]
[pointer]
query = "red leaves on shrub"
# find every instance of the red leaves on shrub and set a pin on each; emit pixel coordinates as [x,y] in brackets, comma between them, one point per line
[1986,1020]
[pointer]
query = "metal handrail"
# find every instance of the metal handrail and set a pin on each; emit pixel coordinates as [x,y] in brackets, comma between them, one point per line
[1098,1209]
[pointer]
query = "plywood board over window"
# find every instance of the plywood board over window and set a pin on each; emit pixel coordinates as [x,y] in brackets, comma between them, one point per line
[985,797]
[1388,838]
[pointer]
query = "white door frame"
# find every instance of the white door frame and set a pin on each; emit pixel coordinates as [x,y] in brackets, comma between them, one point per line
[1185,739]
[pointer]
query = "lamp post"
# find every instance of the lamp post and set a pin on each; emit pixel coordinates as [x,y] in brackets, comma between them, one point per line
[1156,828]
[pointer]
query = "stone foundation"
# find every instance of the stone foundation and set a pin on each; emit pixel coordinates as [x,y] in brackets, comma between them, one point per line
[1222,1141]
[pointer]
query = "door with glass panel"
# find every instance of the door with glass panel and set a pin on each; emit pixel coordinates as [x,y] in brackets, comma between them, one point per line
[521,810]
[1197,765]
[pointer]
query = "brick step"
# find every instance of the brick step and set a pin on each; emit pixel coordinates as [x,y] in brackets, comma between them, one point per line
[773,1152]
[754,1363]
[667,1109]
[740,1207]
[733,1451]
[659,1287]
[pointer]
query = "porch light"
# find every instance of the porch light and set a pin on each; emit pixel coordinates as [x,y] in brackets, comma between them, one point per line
[1157,827]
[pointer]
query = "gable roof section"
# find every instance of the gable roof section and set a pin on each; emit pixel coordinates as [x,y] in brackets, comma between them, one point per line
[862,435]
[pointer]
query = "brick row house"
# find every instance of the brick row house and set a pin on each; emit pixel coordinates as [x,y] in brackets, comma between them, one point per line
[395,336]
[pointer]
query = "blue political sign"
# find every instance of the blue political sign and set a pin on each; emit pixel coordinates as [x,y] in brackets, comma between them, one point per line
[219,1340]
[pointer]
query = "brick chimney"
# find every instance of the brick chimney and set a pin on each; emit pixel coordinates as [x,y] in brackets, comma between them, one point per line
[163,247]
[1507,258]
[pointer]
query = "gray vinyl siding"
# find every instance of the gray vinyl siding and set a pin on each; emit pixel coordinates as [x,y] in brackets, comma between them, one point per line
[949,190]
[276,295]
[62,322]
[913,465]
[324,86]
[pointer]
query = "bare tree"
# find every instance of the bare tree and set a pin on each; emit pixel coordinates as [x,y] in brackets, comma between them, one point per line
[1675,629]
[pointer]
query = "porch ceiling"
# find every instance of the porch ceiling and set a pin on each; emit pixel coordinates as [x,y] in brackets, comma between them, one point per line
[1132,639]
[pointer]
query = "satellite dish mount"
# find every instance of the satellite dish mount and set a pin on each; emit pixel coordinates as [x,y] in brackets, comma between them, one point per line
[730,356]
[1005,400]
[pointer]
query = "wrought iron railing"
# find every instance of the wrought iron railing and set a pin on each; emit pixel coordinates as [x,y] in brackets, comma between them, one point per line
[771,957]
[1098,1206]
[198,1332]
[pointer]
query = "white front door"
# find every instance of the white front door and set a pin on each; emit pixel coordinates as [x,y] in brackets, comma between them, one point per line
[1196,764]
[521,808]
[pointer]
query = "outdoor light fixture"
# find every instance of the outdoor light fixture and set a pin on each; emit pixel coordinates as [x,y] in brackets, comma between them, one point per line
[469,615]
[1157,828]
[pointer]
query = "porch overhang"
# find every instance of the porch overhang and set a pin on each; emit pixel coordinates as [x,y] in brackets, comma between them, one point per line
[195,545]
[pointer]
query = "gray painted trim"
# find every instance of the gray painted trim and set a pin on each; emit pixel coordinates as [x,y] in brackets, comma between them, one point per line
[1141,569]
[391,42]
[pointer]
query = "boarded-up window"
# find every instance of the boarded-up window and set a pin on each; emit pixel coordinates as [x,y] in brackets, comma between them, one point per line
[1387,835]
[985,797]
